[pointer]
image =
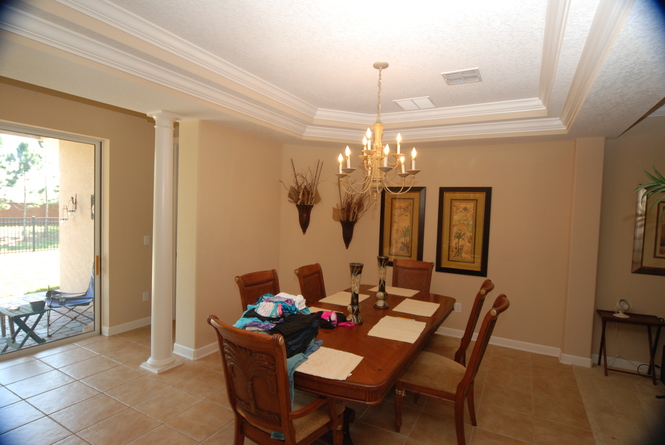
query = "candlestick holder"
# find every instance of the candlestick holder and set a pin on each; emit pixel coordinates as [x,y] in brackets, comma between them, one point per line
[354,307]
[381,295]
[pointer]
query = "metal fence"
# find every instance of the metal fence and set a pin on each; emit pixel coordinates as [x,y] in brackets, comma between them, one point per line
[29,234]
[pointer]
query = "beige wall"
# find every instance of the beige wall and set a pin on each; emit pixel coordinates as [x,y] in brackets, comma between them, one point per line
[235,219]
[533,187]
[77,231]
[127,160]
[624,159]
[228,225]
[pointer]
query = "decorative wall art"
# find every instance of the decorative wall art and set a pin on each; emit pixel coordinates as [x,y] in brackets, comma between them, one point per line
[402,225]
[463,230]
[649,240]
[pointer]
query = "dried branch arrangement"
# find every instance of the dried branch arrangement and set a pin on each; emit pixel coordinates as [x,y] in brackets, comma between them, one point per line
[304,190]
[350,207]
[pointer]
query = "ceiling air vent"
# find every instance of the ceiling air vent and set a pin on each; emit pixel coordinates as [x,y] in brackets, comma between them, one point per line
[465,76]
[415,103]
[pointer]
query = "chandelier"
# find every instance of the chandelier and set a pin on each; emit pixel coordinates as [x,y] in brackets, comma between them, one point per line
[381,168]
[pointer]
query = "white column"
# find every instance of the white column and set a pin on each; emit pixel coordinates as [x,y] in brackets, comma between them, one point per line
[161,342]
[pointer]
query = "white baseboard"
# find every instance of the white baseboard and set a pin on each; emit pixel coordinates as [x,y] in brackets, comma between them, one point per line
[195,354]
[524,346]
[119,329]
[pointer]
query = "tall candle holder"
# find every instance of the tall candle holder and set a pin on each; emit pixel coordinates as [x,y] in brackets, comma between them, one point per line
[381,294]
[354,307]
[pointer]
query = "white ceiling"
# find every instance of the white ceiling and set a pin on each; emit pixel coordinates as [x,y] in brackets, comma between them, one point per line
[299,70]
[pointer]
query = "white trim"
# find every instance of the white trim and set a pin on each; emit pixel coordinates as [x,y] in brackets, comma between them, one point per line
[195,354]
[119,329]
[528,347]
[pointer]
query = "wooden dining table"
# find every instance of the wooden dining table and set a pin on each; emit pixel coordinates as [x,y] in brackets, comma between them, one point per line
[384,360]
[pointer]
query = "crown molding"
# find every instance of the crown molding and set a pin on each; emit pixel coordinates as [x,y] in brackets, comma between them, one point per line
[524,127]
[605,28]
[143,30]
[555,27]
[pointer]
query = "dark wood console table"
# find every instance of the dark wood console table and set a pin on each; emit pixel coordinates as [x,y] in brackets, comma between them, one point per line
[639,319]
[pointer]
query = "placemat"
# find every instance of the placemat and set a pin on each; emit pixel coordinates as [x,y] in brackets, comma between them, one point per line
[330,363]
[342,298]
[397,328]
[417,307]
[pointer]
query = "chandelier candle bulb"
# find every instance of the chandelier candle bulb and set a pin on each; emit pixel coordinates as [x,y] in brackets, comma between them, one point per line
[401,159]
[348,157]
[399,140]
[386,152]
[340,159]
[413,158]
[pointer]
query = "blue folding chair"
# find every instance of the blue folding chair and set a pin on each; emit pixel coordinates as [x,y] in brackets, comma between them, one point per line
[74,306]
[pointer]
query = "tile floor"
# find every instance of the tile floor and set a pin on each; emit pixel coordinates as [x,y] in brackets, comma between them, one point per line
[93,391]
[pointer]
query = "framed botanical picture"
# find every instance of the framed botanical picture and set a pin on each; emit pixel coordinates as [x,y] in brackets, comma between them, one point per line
[649,240]
[402,225]
[463,230]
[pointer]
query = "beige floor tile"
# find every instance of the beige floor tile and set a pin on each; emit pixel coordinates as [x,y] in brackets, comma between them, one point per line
[72,440]
[507,398]
[89,367]
[17,414]
[106,344]
[130,353]
[164,435]
[383,416]
[205,383]
[366,434]
[70,356]
[551,433]
[7,397]
[181,373]
[202,420]
[558,390]
[505,422]
[483,437]
[6,363]
[212,361]
[225,436]
[119,429]
[433,429]
[111,378]
[138,390]
[168,404]
[39,383]
[62,397]
[88,412]
[22,370]
[561,411]
[41,431]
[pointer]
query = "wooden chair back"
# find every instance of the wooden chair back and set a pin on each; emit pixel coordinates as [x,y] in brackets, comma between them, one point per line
[310,278]
[485,288]
[253,285]
[257,384]
[412,274]
[500,305]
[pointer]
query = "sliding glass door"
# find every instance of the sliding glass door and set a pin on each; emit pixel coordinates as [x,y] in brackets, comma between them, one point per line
[49,237]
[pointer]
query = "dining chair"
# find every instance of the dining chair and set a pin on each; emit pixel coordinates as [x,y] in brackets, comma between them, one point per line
[254,285]
[440,377]
[412,274]
[456,349]
[310,278]
[257,384]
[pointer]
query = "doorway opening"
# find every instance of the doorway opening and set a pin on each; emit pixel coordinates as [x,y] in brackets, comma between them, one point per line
[49,238]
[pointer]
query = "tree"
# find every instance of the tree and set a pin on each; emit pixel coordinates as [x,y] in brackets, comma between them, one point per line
[16,165]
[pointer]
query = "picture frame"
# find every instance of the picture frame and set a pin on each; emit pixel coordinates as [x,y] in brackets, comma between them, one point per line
[649,238]
[402,227]
[463,230]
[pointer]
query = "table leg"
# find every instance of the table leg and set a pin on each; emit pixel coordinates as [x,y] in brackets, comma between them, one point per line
[653,345]
[23,327]
[602,353]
